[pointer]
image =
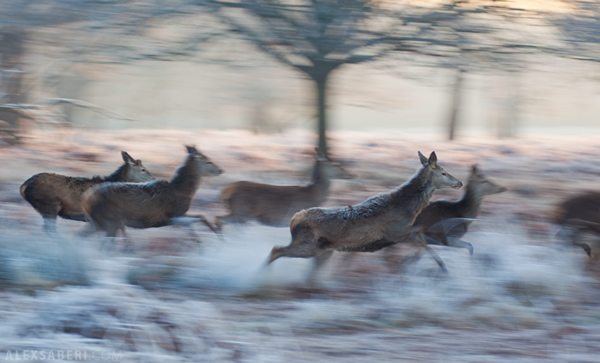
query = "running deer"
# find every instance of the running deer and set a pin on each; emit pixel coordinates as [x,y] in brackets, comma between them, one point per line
[55,195]
[445,222]
[577,215]
[113,206]
[378,222]
[275,205]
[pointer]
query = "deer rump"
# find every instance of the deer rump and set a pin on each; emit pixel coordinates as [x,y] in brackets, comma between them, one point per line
[133,205]
[365,227]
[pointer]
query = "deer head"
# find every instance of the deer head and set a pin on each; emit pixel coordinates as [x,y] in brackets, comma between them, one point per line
[439,177]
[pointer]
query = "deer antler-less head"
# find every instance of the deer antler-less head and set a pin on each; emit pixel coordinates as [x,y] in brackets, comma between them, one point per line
[206,166]
[439,177]
[485,186]
[136,170]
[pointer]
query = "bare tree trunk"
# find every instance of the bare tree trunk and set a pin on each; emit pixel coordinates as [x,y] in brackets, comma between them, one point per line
[455,103]
[12,51]
[321,83]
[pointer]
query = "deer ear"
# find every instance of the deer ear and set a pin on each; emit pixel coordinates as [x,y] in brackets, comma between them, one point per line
[474,169]
[422,158]
[127,158]
[432,160]
[190,149]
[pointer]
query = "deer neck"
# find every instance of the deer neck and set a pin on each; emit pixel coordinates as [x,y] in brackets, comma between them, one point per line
[414,195]
[187,179]
[470,203]
[118,175]
[319,185]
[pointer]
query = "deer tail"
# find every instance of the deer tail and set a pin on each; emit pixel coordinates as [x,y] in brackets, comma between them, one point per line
[25,185]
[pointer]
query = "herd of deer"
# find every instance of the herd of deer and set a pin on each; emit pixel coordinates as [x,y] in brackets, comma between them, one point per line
[131,197]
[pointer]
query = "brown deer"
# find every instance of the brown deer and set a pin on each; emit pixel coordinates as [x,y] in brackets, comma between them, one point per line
[378,222]
[55,195]
[275,205]
[577,215]
[112,206]
[445,222]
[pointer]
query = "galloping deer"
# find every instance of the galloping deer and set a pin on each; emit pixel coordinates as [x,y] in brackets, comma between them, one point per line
[577,215]
[55,195]
[378,222]
[445,222]
[275,205]
[112,206]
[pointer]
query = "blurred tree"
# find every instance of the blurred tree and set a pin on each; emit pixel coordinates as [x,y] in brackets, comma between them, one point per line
[317,37]
[482,36]
[580,30]
[41,40]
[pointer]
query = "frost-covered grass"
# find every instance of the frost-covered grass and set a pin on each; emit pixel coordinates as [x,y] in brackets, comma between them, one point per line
[523,295]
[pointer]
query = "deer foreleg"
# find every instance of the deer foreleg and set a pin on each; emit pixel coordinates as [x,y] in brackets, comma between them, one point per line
[436,257]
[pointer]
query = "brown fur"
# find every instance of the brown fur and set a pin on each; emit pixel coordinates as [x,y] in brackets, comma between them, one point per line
[378,222]
[111,207]
[577,215]
[275,205]
[441,221]
[55,195]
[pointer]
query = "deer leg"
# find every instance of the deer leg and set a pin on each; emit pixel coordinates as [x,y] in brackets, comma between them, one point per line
[129,246]
[319,260]
[571,234]
[395,264]
[452,242]
[458,243]
[109,240]
[293,250]
[87,231]
[230,218]
[203,219]
[574,236]
[440,262]
[50,225]
[194,234]
[187,221]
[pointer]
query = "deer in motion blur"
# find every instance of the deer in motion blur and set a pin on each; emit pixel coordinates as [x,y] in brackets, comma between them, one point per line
[113,206]
[55,195]
[579,215]
[378,222]
[445,222]
[275,205]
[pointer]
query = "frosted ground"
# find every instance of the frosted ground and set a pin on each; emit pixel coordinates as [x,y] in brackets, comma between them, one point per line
[524,296]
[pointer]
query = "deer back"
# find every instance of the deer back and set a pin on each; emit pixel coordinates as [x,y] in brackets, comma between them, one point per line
[582,207]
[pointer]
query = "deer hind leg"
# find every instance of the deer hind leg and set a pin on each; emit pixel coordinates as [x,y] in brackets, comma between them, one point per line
[457,243]
[50,225]
[49,210]
[230,218]
[574,236]
[319,260]
[395,263]
[571,234]
[204,220]
[303,245]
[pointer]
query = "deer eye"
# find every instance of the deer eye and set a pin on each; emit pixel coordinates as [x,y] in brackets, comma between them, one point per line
[143,170]
[444,173]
